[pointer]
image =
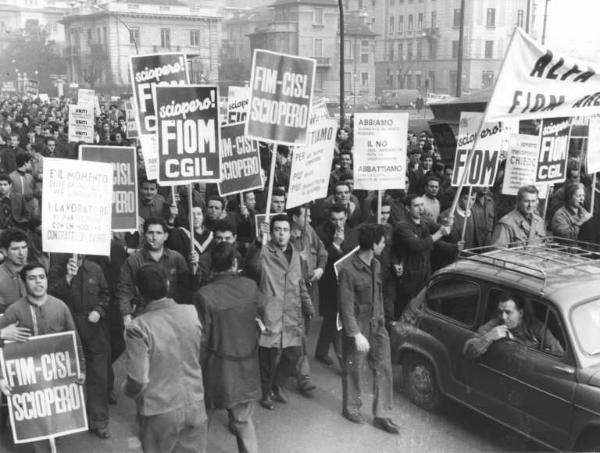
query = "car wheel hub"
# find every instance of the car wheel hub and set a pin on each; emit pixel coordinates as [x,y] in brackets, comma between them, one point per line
[421,379]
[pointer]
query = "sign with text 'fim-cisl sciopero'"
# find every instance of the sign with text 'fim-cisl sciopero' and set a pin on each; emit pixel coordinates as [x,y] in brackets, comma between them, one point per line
[281,93]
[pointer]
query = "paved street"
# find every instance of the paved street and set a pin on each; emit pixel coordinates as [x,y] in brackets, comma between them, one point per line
[315,425]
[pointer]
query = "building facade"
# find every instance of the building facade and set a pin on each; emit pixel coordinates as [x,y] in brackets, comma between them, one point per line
[102,37]
[417,41]
[22,14]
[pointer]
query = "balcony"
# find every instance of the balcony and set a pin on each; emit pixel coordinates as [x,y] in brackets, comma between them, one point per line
[323,62]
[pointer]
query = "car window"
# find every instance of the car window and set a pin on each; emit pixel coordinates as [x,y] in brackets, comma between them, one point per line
[586,325]
[455,298]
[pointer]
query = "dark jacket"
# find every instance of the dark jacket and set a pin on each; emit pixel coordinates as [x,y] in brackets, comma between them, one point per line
[230,362]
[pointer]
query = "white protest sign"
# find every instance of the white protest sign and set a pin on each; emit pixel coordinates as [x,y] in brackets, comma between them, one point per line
[521,163]
[81,123]
[149,146]
[486,155]
[536,82]
[593,148]
[238,101]
[86,97]
[380,159]
[97,105]
[44,97]
[77,206]
[311,164]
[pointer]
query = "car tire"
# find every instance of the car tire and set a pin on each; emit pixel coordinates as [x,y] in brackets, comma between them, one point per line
[420,382]
[589,442]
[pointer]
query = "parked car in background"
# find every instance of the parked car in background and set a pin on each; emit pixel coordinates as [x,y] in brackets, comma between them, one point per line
[399,99]
[549,396]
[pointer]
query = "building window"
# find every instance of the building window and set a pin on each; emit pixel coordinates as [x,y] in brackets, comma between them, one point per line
[454,49]
[432,50]
[456,22]
[364,52]
[490,20]
[194,38]
[487,79]
[419,50]
[520,18]
[105,35]
[360,4]
[489,49]
[134,35]
[317,47]
[410,23]
[165,38]
[391,25]
[420,22]
[392,52]
[409,51]
[392,3]
[318,16]
[348,48]
[99,35]
[348,81]
[89,35]
[400,51]
[364,79]
[400,24]
[319,78]
[433,19]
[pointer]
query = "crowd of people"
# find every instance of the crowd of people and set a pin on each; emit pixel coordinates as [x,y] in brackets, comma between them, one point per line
[218,317]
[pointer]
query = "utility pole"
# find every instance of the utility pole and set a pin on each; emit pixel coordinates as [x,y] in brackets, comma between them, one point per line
[545,18]
[342,56]
[461,37]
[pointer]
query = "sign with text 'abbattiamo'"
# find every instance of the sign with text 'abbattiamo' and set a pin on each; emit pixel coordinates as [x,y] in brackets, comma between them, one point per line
[125,199]
[46,400]
[537,82]
[187,134]
[485,156]
[381,162]
[281,92]
[77,206]
[554,150]
[240,166]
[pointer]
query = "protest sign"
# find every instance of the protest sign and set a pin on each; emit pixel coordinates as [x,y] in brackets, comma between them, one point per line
[130,124]
[240,166]
[187,134]
[238,100]
[521,163]
[150,155]
[46,400]
[593,148]
[553,150]
[381,139]
[8,88]
[77,206]
[125,199]
[44,97]
[32,87]
[537,82]
[86,97]
[281,92]
[311,164]
[485,157]
[81,123]
[146,72]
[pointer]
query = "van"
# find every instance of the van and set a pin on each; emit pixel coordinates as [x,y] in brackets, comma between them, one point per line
[399,99]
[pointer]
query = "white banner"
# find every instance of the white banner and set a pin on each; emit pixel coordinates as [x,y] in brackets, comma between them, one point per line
[77,206]
[535,82]
[311,165]
[593,146]
[238,103]
[81,123]
[521,164]
[380,156]
[485,156]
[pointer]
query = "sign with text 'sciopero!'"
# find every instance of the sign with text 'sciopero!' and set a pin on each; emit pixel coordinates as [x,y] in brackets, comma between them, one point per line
[554,150]
[77,206]
[381,139]
[240,166]
[46,401]
[187,134]
[281,93]
[125,200]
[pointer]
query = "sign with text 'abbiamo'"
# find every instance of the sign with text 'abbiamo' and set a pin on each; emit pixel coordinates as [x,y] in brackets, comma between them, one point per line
[187,134]
[281,93]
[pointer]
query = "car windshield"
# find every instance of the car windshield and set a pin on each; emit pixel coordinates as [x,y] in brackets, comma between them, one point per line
[586,325]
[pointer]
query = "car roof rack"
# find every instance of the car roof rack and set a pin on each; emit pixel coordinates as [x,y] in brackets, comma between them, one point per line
[546,256]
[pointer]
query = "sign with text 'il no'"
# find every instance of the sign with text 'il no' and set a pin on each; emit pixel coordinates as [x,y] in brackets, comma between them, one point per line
[187,134]
[281,93]
[46,401]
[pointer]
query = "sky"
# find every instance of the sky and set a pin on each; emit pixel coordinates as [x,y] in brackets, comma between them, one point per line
[572,27]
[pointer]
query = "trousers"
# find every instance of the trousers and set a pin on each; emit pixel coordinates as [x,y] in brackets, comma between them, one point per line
[276,365]
[378,359]
[328,335]
[241,423]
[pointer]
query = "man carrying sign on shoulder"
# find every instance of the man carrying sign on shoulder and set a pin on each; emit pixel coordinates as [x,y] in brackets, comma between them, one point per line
[42,314]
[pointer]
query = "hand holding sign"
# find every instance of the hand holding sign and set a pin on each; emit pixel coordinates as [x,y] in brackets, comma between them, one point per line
[5,387]
[13,332]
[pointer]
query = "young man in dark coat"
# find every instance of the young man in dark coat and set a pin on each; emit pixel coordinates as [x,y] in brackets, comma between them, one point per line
[227,305]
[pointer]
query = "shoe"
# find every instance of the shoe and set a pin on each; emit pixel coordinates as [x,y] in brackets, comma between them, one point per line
[112,398]
[102,433]
[279,395]
[306,386]
[324,359]
[267,402]
[386,425]
[354,417]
